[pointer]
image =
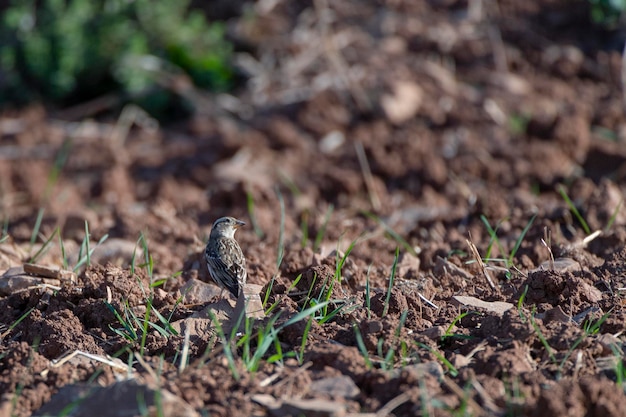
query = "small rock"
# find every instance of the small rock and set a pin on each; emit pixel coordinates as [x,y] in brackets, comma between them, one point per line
[443,267]
[434,333]
[609,343]
[117,251]
[267,401]
[199,328]
[15,279]
[560,265]
[199,292]
[404,103]
[375,326]
[460,361]
[338,386]
[513,84]
[48,272]
[393,45]
[254,305]
[498,307]
[580,317]
[427,368]
[332,141]
[312,408]
[556,314]
[591,293]
[300,407]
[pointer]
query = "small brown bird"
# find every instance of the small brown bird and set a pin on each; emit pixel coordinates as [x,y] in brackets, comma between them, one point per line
[224,258]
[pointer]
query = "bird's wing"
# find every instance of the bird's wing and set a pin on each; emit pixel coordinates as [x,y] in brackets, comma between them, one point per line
[228,261]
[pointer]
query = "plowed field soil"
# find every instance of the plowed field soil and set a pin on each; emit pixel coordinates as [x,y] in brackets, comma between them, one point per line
[433,194]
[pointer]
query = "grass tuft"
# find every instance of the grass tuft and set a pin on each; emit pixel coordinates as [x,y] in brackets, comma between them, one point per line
[85,252]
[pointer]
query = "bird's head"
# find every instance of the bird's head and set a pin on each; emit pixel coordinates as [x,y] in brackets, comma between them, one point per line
[226,226]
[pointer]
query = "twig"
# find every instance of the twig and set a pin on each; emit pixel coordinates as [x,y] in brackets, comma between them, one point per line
[185,352]
[487,400]
[396,402]
[458,391]
[547,242]
[59,362]
[147,367]
[267,381]
[591,237]
[367,175]
[427,301]
[479,261]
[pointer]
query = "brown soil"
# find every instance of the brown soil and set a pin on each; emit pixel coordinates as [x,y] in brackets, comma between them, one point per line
[458,112]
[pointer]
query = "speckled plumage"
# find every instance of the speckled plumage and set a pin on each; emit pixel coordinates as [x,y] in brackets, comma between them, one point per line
[224,257]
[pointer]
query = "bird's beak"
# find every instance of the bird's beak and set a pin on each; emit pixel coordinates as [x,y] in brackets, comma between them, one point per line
[239,223]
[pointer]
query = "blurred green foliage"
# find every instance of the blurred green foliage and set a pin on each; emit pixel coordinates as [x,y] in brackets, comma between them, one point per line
[607,12]
[66,50]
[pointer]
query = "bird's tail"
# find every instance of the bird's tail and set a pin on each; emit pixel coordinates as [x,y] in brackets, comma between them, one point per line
[239,313]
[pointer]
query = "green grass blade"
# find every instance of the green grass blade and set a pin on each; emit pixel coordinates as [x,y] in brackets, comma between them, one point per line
[341,262]
[304,228]
[251,214]
[148,261]
[87,237]
[457,319]
[168,327]
[5,229]
[367,292]
[520,303]
[493,237]
[613,216]
[57,167]
[304,314]
[66,263]
[18,321]
[265,339]
[45,247]
[144,326]
[391,281]
[331,315]
[226,345]
[322,231]
[85,259]
[543,340]
[305,335]
[518,243]
[451,368]
[33,236]
[125,323]
[391,233]
[574,210]
[361,345]
[281,231]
